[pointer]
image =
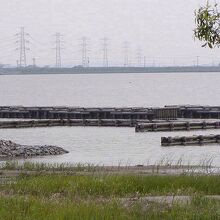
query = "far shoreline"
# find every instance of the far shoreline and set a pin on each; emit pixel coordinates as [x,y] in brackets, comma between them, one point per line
[107,70]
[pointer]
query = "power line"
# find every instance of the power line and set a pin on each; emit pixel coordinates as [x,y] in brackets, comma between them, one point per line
[37,42]
[38,47]
[11,38]
[6,44]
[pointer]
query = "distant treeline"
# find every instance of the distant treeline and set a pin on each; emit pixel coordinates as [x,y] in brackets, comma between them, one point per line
[100,70]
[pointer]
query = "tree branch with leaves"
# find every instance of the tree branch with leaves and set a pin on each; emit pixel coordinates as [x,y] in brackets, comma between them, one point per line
[208,25]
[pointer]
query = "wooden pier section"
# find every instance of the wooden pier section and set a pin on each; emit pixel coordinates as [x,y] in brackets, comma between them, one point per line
[87,113]
[197,111]
[69,122]
[133,113]
[176,126]
[191,140]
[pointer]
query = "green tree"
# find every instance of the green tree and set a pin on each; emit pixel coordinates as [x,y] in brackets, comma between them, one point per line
[208,25]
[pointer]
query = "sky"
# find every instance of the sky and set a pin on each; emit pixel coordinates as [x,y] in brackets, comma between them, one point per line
[161,29]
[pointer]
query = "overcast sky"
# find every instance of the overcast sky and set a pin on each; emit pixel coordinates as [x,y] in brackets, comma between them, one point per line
[163,29]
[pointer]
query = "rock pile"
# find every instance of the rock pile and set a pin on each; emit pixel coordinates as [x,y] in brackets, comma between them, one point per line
[11,149]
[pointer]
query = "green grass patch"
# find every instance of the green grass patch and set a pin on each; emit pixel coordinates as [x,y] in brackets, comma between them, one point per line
[30,166]
[26,208]
[205,167]
[102,197]
[113,185]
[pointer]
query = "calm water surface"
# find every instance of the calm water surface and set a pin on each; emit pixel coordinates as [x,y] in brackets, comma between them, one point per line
[111,145]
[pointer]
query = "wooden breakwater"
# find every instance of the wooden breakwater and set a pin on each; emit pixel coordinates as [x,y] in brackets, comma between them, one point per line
[191,140]
[197,111]
[176,126]
[134,113]
[69,122]
[87,113]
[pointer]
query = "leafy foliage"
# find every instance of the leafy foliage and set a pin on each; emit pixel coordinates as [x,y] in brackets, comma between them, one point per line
[208,25]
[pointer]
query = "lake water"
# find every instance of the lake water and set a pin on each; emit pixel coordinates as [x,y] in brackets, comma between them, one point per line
[111,146]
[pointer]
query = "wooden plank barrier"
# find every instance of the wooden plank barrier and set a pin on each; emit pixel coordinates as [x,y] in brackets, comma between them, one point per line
[70,122]
[197,111]
[87,113]
[191,140]
[64,112]
[176,126]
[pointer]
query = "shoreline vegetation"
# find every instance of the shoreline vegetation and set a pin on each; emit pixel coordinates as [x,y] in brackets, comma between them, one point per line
[63,191]
[161,168]
[105,70]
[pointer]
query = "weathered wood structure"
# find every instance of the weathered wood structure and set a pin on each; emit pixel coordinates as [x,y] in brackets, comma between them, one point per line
[87,113]
[191,140]
[176,126]
[69,122]
[63,112]
[197,111]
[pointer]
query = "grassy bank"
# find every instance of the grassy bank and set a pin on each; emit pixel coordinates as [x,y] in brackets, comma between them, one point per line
[102,195]
[164,166]
[112,186]
[25,208]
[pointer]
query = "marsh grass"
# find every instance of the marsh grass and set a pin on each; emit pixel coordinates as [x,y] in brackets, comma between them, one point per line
[34,208]
[30,166]
[69,196]
[112,185]
[205,166]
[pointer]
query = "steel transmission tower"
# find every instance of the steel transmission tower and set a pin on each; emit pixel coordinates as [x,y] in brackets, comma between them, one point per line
[144,61]
[197,61]
[139,57]
[105,52]
[22,47]
[58,50]
[34,62]
[126,54]
[85,59]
